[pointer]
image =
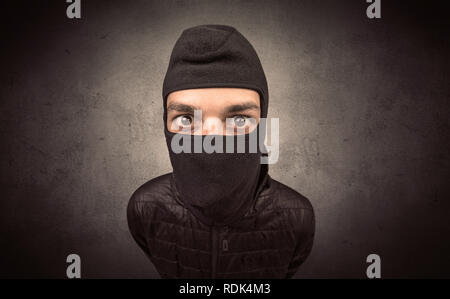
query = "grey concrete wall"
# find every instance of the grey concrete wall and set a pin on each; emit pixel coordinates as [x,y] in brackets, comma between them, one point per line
[364,119]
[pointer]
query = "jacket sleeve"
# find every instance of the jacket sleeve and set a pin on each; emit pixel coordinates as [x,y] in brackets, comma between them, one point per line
[134,219]
[305,241]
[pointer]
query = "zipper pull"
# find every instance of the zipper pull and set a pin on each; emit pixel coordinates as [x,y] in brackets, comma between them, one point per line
[225,245]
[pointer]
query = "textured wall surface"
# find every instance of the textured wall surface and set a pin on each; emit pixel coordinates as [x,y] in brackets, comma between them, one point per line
[364,118]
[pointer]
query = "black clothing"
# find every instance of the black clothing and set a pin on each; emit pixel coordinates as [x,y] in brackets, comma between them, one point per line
[216,187]
[271,240]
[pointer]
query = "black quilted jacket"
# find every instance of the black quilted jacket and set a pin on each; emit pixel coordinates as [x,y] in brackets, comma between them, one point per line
[271,241]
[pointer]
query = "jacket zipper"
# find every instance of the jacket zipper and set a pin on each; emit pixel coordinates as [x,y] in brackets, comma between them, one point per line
[215,250]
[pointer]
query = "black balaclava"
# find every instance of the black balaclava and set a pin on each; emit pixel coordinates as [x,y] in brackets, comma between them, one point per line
[218,188]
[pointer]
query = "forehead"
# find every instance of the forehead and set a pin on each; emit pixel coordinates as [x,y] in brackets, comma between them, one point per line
[214,96]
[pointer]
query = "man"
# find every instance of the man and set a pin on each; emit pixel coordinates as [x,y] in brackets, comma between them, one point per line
[218,214]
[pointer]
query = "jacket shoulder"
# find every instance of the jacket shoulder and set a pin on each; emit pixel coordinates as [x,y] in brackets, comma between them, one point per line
[153,190]
[154,195]
[289,198]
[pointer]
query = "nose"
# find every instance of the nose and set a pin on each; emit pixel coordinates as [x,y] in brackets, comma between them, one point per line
[212,125]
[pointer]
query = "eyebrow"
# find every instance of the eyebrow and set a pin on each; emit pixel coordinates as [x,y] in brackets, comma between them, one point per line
[230,109]
[242,107]
[181,108]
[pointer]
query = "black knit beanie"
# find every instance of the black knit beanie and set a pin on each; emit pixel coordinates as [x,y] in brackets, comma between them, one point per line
[214,56]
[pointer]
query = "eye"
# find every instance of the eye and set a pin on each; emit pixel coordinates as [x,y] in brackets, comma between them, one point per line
[240,121]
[183,121]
